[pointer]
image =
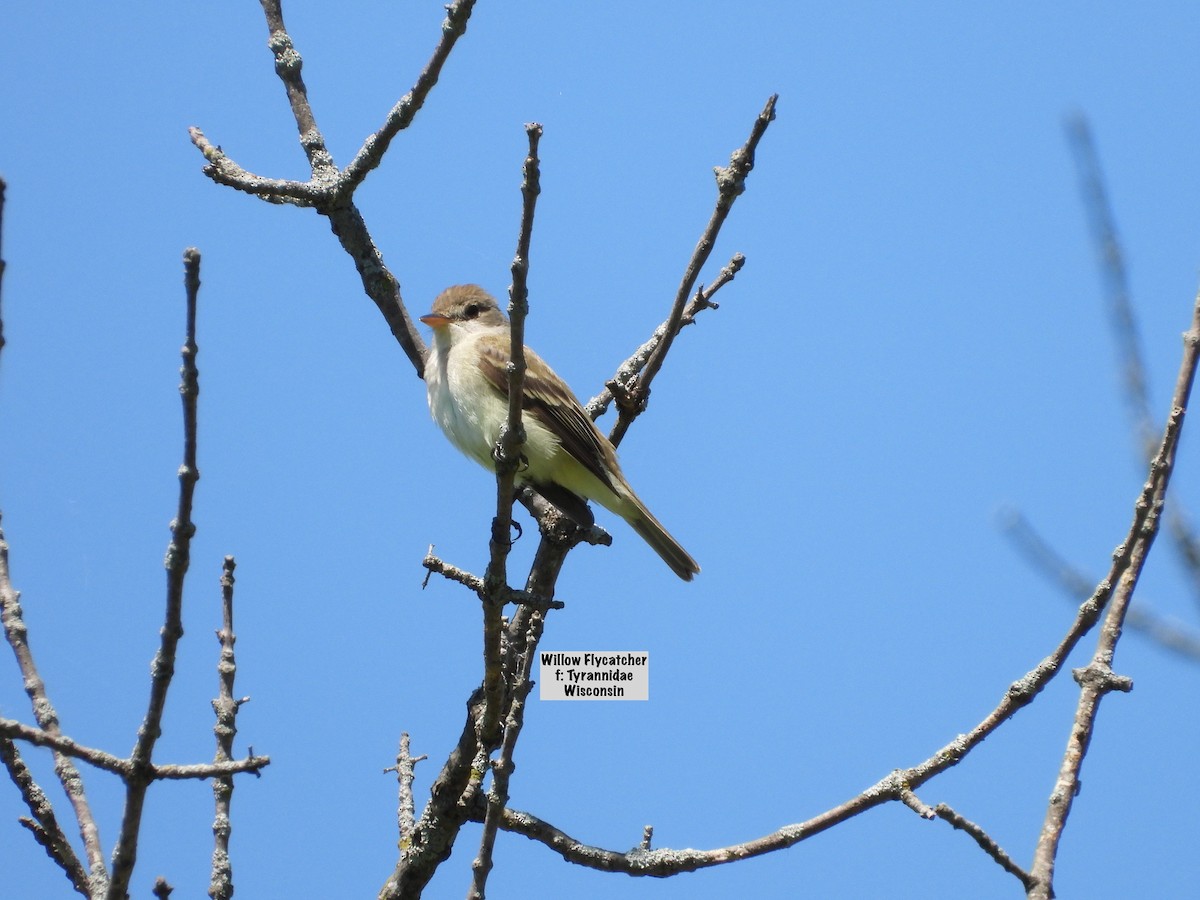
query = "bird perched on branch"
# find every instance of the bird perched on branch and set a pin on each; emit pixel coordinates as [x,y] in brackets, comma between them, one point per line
[467,380]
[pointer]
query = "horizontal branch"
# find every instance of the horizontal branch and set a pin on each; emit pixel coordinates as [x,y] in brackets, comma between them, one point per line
[19,731]
[436,565]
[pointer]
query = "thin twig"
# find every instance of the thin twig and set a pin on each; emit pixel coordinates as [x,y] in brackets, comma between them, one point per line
[220,885]
[12,618]
[176,564]
[44,824]
[985,842]
[439,566]
[909,798]
[403,113]
[431,839]
[508,457]
[731,183]
[1098,679]
[435,564]
[616,386]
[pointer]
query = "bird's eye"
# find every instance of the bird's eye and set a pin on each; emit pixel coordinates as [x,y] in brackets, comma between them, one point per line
[471,311]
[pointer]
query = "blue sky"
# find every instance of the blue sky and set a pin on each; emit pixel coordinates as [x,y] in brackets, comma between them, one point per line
[918,340]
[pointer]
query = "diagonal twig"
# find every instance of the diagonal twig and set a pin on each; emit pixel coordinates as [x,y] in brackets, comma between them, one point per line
[731,183]
[43,824]
[401,115]
[12,618]
[615,387]
[985,842]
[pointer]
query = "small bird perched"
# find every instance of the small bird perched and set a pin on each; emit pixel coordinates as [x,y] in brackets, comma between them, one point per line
[564,451]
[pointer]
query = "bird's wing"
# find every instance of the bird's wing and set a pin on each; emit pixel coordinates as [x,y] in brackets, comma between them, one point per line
[549,400]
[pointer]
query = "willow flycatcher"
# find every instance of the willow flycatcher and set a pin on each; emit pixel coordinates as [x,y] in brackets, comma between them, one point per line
[563,451]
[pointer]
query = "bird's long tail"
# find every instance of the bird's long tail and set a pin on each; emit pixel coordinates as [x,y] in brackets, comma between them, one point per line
[660,540]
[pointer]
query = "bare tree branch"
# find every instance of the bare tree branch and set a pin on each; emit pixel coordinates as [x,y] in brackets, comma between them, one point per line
[731,183]
[403,113]
[287,66]
[901,783]
[404,768]
[220,885]
[329,190]
[507,455]
[176,563]
[615,387]
[1097,678]
[502,769]
[1116,279]
[985,842]
[44,824]
[127,768]
[12,618]
[435,564]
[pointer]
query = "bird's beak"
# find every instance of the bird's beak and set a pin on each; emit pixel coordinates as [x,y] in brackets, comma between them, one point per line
[435,320]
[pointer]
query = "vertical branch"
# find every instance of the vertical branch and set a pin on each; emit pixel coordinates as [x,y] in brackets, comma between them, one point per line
[176,564]
[512,433]
[226,708]
[503,767]
[508,458]
[405,769]
[508,448]
[1097,678]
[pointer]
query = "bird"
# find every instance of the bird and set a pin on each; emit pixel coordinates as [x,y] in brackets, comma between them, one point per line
[565,456]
